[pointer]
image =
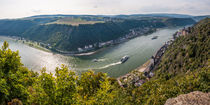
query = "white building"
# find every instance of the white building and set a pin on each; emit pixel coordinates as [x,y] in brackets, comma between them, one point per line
[80,49]
[90,46]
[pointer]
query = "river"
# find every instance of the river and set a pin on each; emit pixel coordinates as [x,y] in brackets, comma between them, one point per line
[139,50]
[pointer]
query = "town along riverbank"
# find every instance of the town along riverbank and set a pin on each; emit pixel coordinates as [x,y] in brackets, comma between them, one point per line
[88,49]
[145,72]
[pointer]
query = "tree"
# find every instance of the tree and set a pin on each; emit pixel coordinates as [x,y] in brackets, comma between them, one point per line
[95,88]
[14,78]
[66,86]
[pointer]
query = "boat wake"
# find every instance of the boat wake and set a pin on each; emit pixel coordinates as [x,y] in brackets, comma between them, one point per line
[101,60]
[103,67]
[109,65]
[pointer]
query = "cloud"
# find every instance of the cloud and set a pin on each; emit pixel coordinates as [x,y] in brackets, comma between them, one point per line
[22,8]
[38,11]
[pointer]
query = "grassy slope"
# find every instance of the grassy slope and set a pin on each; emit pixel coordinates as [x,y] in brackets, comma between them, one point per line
[74,21]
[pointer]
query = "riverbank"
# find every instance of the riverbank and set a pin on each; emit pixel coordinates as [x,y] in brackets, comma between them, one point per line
[139,50]
[34,45]
[27,42]
[87,53]
[134,75]
[92,49]
[37,45]
[48,48]
[145,71]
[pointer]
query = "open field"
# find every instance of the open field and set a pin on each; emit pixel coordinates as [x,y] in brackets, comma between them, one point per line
[74,21]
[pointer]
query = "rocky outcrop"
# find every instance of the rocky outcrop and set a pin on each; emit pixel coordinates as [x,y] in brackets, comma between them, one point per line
[193,98]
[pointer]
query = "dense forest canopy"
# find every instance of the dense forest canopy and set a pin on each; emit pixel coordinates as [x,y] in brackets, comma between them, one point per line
[184,68]
[68,37]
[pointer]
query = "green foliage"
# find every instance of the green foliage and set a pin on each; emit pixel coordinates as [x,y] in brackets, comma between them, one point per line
[179,21]
[188,52]
[69,38]
[15,27]
[95,89]
[183,69]
[13,76]
[64,87]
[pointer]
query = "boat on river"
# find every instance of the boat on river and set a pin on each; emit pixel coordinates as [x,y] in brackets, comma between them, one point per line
[124,59]
[155,37]
[95,60]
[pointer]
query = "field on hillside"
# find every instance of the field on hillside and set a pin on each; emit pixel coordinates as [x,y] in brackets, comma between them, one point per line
[74,21]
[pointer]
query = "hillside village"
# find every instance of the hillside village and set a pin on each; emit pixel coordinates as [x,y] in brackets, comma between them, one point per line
[132,34]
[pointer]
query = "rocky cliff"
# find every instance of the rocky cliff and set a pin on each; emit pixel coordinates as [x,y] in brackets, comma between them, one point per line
[193,98]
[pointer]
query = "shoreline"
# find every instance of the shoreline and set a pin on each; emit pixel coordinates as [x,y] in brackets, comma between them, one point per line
[38,47]
[141,68]
[149,66]
[102,48]
[84,54]
[47,48]
[27,43]
[34,45]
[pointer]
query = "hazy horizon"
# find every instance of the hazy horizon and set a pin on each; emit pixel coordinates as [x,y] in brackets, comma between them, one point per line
[25,8]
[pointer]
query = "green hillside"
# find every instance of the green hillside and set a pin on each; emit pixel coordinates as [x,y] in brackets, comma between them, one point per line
[177,21]
[66,37]
[72,37]
[185,67]
[15,27]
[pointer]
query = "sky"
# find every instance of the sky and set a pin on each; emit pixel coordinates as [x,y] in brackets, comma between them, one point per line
[24,8]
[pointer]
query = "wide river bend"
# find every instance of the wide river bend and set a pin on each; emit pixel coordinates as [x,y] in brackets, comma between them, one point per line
[139,49]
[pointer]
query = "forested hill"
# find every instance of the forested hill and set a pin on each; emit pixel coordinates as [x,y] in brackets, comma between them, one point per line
[15,27]
[178,21]
[66,37]
[188,52]
[185,67]
[62,33]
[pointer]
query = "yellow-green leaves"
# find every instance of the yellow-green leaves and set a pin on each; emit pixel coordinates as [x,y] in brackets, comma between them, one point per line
[5,46]
[13,76]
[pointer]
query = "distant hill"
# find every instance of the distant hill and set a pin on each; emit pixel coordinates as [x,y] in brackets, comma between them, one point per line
[178,21]
[15,27]
[155,15]
[198,18]
[69,32]
[71,37]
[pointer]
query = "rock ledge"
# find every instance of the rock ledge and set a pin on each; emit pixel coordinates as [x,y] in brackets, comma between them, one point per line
[193,98]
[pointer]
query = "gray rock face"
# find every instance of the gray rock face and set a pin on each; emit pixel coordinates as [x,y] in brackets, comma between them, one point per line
[193,98]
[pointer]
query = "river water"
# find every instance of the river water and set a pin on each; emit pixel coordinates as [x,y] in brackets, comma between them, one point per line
[139,50]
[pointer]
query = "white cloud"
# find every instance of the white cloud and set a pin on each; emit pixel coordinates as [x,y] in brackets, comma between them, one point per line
[22,8]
